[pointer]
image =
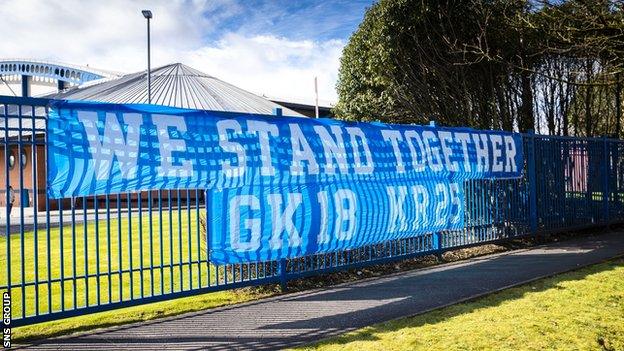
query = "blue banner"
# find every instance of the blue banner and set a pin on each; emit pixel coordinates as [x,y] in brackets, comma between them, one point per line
[279,186]
[262,223]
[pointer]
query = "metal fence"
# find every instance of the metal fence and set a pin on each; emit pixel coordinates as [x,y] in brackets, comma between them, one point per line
[69,257]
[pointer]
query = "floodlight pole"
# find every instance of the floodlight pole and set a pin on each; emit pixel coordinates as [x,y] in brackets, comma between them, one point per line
[148,15]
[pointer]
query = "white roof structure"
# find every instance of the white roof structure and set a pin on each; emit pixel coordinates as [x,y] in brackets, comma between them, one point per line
[53,70]
[174,85]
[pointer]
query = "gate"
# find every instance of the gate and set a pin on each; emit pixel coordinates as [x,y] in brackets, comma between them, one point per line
[60,258]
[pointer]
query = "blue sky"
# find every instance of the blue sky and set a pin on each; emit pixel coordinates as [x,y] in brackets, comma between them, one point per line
[297,20]
[272,48]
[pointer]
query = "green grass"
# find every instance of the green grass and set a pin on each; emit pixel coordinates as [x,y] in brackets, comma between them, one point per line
[180,244]
[580,310]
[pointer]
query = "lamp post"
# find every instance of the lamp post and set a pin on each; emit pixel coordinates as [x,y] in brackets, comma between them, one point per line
[148,15]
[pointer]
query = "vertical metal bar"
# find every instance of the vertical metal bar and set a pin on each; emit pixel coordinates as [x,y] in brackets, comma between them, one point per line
[151,241]
[130,265]
[73,232]
[48,242]
[160,231]
[180,263]
[532,181]
[484,211]
[119,252]
[140,208]
[225,273]
[560,182]
[197,228]
[85,223]
[61,235]
[7,187]
[108,249]
[240,271]
[97,250]
[21,188]
[208,204]
[33,160]
[283,275]
[190,240]
[436,242]
[170,241]
[605,180]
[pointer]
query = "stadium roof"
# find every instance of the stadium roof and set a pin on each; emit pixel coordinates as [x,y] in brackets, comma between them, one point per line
[175,85]
[53,69]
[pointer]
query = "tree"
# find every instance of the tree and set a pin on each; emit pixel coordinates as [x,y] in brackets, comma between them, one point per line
[413,61]
[504,64]
[366,90]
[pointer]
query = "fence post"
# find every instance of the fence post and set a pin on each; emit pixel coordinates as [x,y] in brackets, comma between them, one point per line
[208,205]
[532,180]
[605,180]
[437,245]
[283,276]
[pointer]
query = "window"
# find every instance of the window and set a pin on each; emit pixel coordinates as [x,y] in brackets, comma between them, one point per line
[11,160]
[24,158]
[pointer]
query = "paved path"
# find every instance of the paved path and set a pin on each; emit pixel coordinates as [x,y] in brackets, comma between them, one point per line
[299,318]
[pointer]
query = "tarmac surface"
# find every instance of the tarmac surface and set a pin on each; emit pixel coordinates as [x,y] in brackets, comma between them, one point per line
[299,318]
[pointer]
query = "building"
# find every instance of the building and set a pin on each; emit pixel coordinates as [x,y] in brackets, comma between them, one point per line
[325,111]
[25,77]
[175,85]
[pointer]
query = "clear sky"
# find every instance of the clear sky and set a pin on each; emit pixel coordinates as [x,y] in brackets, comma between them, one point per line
[267,47]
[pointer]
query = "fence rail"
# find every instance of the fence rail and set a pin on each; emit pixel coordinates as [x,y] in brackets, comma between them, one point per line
[61,258]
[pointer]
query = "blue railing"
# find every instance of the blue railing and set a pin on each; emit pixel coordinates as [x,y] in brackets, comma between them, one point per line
[61,258]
